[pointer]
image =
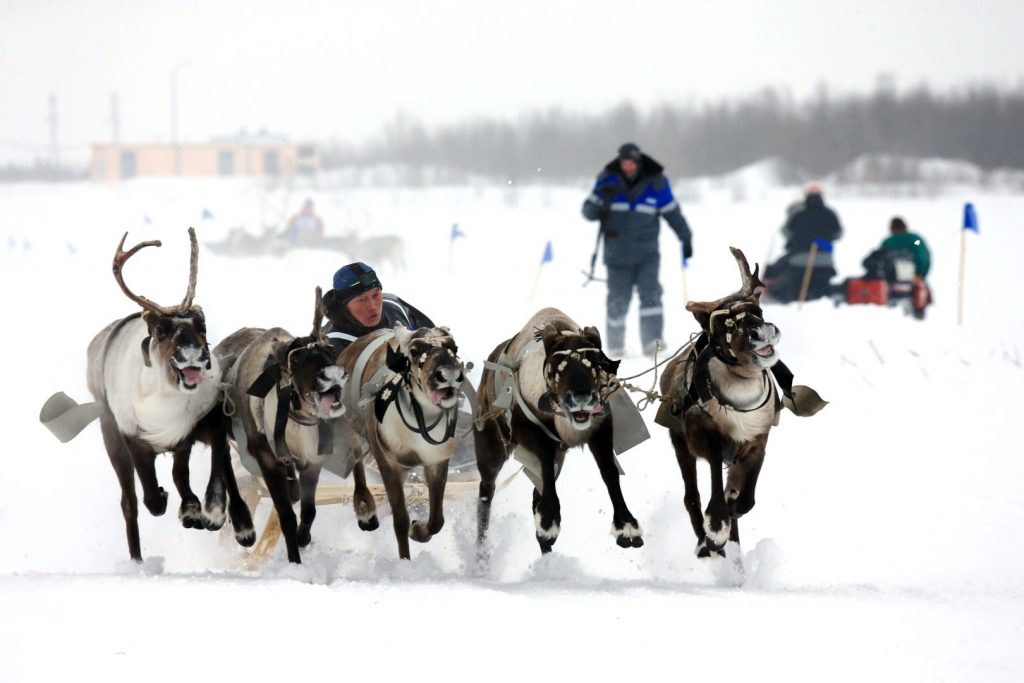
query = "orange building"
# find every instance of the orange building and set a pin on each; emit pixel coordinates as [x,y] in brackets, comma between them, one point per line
[227,157]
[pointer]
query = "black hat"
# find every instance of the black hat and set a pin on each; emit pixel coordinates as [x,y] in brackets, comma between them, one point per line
[353,279]
[630,151]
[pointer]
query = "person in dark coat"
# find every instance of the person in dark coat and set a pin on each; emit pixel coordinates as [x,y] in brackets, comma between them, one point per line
[629,198]
[810,221]
[357,305]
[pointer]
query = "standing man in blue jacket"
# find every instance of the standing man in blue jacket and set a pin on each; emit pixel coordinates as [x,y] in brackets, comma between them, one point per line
[629,198]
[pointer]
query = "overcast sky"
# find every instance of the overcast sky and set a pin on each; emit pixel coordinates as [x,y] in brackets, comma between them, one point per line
[335,69]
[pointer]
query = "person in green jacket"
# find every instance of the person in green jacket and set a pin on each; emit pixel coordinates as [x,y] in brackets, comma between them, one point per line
[903,240]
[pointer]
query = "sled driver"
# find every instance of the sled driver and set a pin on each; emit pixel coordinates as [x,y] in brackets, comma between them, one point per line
[357,305]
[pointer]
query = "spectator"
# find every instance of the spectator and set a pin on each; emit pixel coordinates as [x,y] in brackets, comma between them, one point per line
[629,198]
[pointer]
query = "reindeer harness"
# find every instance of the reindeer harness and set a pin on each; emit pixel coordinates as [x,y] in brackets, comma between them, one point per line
[288,402]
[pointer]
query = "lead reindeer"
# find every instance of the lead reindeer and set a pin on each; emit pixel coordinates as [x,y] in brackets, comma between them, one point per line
[285,392]
[157,389]
[414,379]
[722,404]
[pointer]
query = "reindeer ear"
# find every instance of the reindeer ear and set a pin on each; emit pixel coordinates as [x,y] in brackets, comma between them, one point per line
[592,335]
[550,335]
[333,308]
[701,311]
[403,335]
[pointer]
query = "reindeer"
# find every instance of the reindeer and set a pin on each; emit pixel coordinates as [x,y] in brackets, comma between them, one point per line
[284,392]
[414,379]
[721,404]
[542,392]
[157,390]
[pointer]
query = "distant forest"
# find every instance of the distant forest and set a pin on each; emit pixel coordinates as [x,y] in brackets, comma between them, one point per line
[980,124]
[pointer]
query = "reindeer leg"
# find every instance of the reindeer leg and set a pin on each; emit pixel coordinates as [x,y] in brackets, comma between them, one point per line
[117,451]
[220,464]
[308,479]
[547,511]
[490,456]
[144,461]
[624,525]
[276,477]
[363,502]
[393,478]
[717,523]
[238,510]
[691,494]
[191,510]
[436,476]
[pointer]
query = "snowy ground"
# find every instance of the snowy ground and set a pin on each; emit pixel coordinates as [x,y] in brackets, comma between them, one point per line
[881,546]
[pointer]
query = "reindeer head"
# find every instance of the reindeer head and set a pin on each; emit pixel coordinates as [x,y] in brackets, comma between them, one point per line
[434,366]
[576,373]
[177,335]
[735,324]
[316,379]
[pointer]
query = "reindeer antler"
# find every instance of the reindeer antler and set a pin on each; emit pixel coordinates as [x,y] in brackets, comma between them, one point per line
[751,286]
[193,272]
[751,283]
[121,257]
[318,315]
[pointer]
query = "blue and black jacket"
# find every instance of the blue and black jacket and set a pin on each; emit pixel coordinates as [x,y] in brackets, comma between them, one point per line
[342,329]
[629,212]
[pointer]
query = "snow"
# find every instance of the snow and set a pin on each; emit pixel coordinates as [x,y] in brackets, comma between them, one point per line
[881,546]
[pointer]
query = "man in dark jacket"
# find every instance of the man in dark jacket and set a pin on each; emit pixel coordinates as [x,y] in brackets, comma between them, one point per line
[629,198]
[357,305]
[810,222]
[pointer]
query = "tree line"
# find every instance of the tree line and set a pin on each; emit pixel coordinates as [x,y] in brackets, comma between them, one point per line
[981,124]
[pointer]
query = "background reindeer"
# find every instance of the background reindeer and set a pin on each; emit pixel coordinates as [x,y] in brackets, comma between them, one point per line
[723,402]
[284,390]
[157,388]
[411,420]
[542,392]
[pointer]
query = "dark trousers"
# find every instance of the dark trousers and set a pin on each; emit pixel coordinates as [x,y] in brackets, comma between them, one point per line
[621,281]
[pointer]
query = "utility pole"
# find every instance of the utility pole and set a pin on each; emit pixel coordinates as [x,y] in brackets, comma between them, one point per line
[174,115]
[54,148]
[115,119]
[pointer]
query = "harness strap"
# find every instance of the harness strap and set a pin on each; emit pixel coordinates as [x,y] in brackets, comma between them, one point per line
[510,367]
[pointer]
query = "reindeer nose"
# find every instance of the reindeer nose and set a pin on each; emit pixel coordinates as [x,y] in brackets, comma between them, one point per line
[580,398]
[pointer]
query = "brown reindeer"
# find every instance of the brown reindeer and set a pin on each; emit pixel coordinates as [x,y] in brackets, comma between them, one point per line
[284,392]
[157,390]
[722,403]
[414,380]
[542,392]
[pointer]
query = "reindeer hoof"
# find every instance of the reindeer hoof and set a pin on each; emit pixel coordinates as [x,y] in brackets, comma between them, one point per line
[628,535]
[705,550]
[158,506]
[420,532]
[369,524]
[245,537]
[546,544]
[213,518]
[191,514]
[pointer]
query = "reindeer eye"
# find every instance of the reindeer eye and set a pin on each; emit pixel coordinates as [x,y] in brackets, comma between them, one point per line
[161,330]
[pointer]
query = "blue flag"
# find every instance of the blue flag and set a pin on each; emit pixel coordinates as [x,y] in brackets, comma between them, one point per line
[549,254]
[207,215]
[970,218]
[456,233]
[823,245]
